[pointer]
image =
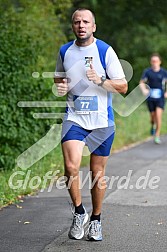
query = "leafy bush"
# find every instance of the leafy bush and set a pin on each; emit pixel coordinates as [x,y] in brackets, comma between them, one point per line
[30,37]
[18,59]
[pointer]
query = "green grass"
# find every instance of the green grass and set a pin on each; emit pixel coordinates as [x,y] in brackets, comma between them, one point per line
[129,130]
[52,162]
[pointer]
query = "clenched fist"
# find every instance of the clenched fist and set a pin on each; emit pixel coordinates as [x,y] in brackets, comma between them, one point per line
[92,75]
[62,86]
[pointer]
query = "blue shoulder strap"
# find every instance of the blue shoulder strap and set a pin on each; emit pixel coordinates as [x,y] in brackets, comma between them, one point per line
[102,49]
[64,49]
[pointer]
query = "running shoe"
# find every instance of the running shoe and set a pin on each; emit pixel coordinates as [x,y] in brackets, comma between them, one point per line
[95,231]
[77,228]
[157,140]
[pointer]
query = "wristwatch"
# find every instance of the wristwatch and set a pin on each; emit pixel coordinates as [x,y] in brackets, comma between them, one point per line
[103,78]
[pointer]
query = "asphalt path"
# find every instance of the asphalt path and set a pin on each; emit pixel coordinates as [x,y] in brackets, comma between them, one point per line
[134,216]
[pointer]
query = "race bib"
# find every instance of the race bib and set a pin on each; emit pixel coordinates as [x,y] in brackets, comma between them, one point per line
[85,104]
[155,93]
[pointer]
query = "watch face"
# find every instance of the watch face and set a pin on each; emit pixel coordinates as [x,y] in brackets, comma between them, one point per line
[103,78]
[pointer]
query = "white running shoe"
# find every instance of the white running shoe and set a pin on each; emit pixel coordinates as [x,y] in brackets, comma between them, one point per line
[77,228]
[95,231]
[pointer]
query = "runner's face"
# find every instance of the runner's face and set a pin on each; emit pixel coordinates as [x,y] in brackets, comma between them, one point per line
[83,25]
[155,62]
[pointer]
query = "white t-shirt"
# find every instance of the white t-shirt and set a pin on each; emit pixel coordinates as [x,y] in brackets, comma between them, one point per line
[89,105]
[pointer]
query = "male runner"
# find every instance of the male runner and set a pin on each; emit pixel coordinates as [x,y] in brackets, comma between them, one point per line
[93,72]
[156,78]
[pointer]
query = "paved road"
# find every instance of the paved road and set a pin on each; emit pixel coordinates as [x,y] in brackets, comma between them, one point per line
[134,219]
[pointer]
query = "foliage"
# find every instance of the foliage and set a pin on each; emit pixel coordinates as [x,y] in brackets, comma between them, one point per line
[18,55]
[29,41]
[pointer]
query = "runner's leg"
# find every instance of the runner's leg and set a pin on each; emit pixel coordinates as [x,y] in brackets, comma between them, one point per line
[152,107]
[72,152]
[153,118]
[158,115]
[153,123]
[97,167]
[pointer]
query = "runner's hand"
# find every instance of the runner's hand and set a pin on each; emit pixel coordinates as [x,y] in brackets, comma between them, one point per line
[165,94]
[62,87]
[146,92]
[92,75]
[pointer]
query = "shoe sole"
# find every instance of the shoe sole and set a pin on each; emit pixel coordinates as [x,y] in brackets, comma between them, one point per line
[82,235]
[94,239]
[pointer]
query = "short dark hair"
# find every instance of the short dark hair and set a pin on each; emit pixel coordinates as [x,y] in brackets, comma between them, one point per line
[84,9]
[155,55]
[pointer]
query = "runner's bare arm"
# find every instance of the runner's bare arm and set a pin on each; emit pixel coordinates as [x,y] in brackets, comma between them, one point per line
[60,77]
[143,87]
[165,94]
[114,86]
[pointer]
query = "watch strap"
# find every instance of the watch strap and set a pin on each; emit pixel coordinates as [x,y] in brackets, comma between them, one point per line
[102,82]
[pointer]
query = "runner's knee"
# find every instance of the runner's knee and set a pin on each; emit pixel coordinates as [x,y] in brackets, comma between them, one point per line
[71,169]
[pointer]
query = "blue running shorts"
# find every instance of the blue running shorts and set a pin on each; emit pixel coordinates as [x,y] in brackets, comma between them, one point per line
[99,141]
[155,103]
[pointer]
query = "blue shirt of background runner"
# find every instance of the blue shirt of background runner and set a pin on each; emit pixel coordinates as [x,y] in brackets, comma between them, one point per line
[155,79]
